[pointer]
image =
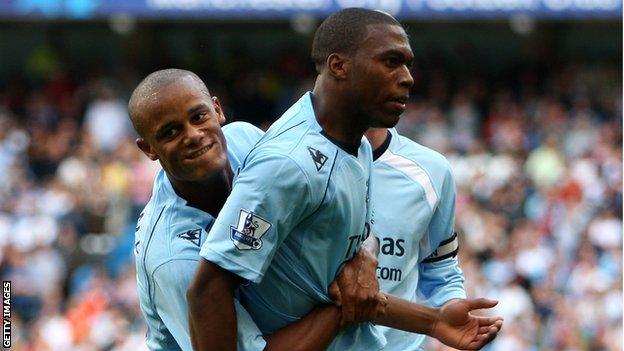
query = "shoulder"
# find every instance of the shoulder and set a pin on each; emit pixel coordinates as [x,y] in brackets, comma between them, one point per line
[422,154]
[241,137]
[296,123]
[176,233]
[242,131]
[269,164]
[302,168]
[411,153]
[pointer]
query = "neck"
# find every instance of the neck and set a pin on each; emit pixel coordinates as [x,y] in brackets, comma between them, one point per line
[336,114]
[208,195]
[376,137]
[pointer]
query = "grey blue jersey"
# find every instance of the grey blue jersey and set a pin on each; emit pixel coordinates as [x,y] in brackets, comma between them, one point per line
[298,210]
[168,238]
[414,203]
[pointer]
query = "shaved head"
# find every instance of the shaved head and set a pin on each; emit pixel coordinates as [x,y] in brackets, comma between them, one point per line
[343,31]
[149,87]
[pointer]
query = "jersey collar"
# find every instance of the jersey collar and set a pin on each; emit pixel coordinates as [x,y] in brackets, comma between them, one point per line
[383,147]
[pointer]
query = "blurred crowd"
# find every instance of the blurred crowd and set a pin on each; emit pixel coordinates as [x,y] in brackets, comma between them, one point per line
[537,160]
[71,185]
[539,207]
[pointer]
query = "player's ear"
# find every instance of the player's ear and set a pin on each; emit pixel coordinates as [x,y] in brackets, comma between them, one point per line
[218,110]
[338,65]
[146,148]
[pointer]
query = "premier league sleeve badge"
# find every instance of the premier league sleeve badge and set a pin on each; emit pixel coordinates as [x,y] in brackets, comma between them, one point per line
[248,231]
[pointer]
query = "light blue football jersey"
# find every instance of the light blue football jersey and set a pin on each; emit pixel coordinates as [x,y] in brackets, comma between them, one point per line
[414,203]
[168,238]
[298,210]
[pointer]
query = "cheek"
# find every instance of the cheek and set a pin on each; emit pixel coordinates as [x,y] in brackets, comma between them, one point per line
[222,159]
[373,84]
[172,159]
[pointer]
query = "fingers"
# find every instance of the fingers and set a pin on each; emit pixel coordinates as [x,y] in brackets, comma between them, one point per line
[487,321]
[382,302]
[480,341]
[366,310]
[334,293]
[486,328]
[476,304]
[485,335]
[483,330]
[491,334]
[366,306]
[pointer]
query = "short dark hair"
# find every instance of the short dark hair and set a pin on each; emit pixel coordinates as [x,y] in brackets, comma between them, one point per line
[342,32]
[153,82]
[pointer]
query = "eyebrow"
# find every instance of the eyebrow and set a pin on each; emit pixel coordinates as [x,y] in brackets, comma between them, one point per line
[200,106]
[398,53]
[409,59]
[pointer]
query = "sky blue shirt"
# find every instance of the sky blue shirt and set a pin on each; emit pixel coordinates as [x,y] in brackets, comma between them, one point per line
[414,203]
[298,210]
[168,238]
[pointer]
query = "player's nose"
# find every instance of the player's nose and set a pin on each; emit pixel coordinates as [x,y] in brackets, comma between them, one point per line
[193,136]
[405,77]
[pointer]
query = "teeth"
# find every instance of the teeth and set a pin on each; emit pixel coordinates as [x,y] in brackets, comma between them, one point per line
[200,151]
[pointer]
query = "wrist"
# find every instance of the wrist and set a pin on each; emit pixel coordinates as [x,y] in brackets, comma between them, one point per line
[434,318]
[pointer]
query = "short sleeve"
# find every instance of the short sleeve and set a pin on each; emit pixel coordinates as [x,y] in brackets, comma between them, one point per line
[441,226]
[269,198]
[440,278]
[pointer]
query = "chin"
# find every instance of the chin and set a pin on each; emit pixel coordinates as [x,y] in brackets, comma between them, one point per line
[386,122]
[204,175]
[206,172]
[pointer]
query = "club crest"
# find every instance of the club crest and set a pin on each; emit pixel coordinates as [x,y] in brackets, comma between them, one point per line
[248,231]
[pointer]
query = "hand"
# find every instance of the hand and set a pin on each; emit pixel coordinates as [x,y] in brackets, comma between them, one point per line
[356,290]
[458,328]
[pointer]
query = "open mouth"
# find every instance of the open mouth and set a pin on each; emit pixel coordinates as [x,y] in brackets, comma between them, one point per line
[203,150]
[401,100]
[398,103]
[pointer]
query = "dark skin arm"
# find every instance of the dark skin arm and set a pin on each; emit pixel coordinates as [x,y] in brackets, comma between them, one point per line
[210,299]
[362,302]
[452,324]
[212,317]
[356,288]
[314,332]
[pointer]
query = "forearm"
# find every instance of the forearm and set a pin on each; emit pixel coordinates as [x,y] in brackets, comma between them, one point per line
[212,318]
[408,316]
[313,332]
